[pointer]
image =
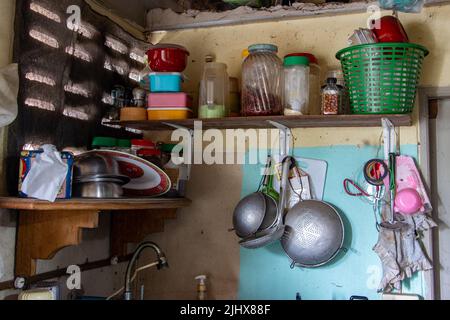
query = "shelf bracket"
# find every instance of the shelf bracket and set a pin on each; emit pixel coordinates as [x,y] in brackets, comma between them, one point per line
[41,234]
[285,138]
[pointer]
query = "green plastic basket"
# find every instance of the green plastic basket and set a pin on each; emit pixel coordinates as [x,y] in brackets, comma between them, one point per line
[382,78]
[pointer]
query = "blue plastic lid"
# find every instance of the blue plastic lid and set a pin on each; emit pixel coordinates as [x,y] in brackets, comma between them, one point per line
[263,47]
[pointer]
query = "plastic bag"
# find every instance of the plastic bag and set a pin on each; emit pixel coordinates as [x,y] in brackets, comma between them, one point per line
[9,88]
[409,6]
[46,176]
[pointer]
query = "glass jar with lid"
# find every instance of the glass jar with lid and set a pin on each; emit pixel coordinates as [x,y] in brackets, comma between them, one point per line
[262,81]
[296,85]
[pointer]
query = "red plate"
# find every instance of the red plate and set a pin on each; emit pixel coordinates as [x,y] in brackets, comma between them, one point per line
[147,179]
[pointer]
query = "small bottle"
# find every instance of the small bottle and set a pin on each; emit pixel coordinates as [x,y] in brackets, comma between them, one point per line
[331,97]
[201,287]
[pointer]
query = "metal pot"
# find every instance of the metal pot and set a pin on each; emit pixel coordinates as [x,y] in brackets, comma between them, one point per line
[99,190]
[93,164]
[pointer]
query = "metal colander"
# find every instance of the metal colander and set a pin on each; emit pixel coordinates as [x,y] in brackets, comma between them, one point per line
[314,233]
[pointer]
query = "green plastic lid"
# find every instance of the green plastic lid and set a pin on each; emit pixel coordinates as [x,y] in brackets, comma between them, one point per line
[296,61]
[263,47]
[168,147]
[104,142]
[124,143]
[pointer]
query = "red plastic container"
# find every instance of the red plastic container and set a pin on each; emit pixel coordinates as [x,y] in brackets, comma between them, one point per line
[391,30]
[168,58]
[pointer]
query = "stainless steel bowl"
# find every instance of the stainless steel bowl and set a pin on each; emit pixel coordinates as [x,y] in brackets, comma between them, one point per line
[249,214]
[92,164]
[99,190]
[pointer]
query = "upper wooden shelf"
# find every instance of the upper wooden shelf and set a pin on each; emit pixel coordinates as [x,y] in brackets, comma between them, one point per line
[94,204]
[263,122]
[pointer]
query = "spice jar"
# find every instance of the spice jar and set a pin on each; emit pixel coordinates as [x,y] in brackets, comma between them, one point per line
[339,75]
[331,97]
[296,85]
[262,81]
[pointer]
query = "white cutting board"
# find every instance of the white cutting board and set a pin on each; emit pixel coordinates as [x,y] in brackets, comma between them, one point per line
[317,171]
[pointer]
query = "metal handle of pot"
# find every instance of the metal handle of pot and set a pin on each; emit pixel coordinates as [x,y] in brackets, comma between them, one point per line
[287,163]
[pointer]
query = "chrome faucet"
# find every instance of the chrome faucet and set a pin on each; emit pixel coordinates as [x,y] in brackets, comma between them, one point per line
[162,262]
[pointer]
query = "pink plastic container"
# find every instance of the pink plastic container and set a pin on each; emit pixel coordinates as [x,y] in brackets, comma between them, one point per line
[169,100]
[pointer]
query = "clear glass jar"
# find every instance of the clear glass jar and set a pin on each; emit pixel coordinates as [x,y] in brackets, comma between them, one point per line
[214,90]
[262,81]
[296,85]
[331,97]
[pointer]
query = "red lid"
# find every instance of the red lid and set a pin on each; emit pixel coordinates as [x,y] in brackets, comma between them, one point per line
[143,143]
[312,58]
[163,46]
[148,152]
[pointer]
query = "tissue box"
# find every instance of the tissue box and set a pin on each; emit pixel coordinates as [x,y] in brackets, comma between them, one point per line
[26,161]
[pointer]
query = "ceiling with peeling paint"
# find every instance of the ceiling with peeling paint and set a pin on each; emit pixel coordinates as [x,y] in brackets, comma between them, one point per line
[137,11]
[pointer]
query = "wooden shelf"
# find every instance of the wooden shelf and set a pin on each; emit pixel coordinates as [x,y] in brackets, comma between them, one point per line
[94,204]
[263,122]
[44,227]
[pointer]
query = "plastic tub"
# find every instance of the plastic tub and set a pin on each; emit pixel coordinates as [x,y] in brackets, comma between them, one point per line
[158,100]
[169,113]
[168,58]
[133,114]
[165,81]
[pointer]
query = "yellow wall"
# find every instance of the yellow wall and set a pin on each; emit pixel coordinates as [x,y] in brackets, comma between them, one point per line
[323,36]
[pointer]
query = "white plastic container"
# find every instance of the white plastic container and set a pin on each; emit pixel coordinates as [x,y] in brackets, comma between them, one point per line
[315,83]
[296,85]
[214,90]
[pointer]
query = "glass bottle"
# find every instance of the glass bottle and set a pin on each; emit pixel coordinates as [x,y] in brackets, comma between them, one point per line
[331,97]
[262,82]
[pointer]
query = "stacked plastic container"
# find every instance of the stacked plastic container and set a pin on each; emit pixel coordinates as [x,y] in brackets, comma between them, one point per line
[166,100]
